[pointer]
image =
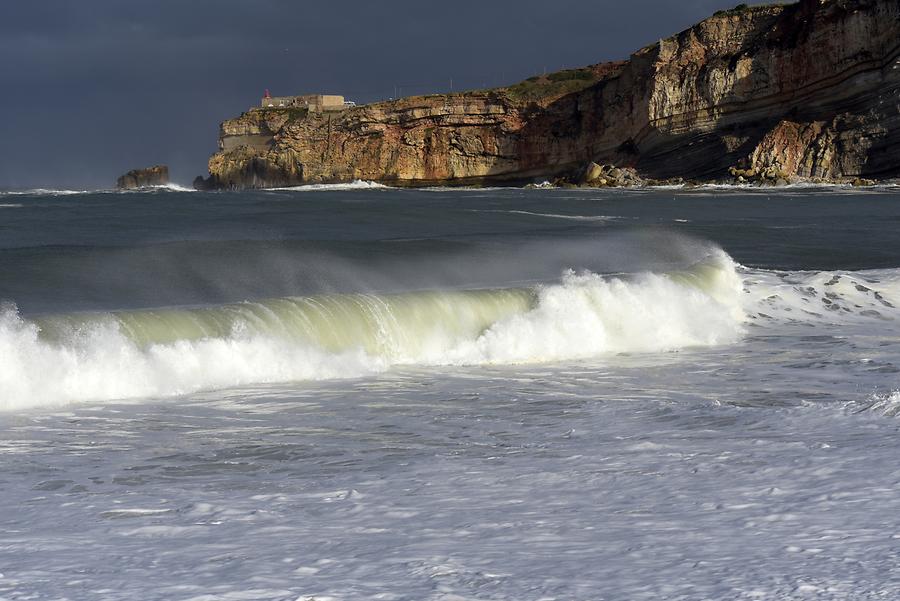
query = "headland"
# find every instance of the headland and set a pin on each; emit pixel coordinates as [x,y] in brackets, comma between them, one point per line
[765,94]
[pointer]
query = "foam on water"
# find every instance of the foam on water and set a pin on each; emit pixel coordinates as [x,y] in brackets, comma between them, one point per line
[824,296]
[100,362]
[44,192]
[887,405]
[354,185]
[165,352]
[170,187]
[552,215]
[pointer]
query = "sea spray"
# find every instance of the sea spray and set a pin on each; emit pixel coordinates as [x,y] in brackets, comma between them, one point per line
[588,315]
[99,362]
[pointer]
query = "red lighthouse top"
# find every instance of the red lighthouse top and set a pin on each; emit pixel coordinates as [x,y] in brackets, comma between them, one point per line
[267,95]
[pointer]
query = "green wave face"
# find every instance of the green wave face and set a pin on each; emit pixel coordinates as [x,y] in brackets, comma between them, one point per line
[396,326]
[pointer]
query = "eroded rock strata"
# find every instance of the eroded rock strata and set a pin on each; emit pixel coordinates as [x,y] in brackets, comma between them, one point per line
[807,90]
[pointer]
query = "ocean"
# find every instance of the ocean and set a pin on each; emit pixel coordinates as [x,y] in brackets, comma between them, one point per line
[359,392]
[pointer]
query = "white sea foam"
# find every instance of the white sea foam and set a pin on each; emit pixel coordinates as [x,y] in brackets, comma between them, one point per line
[588,315]
[69,358]
[466,188]
[100,362]
[552,215]
[43,192]
[171,187]
[354,185]
[886,404]
[824,296]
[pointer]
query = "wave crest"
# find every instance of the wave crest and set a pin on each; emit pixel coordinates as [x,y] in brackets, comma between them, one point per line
[64,358]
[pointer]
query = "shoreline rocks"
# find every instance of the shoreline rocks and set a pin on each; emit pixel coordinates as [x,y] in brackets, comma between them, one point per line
[609,176]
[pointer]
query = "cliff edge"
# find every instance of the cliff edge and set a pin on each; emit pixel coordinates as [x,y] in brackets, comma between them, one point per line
[802,91]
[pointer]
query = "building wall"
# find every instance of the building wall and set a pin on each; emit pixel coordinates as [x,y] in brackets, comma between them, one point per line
[331,100]
[311,101]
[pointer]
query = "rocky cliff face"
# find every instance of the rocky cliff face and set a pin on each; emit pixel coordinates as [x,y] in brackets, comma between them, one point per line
[808,90]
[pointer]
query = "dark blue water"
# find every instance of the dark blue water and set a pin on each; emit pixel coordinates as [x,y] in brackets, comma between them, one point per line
[113,251]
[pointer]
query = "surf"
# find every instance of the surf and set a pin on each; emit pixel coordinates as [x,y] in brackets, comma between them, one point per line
[56,359]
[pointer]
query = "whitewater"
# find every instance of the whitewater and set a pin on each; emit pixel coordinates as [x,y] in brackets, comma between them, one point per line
[358,392]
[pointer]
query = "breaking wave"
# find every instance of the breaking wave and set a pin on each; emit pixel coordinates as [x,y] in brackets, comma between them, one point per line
[170,187]
[354,185]
[43,192]
[83,357]
[552,215]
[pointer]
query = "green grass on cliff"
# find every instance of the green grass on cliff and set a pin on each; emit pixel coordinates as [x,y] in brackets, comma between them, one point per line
[741,9]
[552,85]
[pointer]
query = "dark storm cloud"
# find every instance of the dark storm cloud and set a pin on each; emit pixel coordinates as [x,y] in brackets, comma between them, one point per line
[94,88]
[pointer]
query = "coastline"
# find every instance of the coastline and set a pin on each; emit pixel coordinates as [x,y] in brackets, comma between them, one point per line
[774,94]
[362,185]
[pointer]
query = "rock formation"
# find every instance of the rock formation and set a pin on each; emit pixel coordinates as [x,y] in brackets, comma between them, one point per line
[600,176]
[157,175]
[771,93]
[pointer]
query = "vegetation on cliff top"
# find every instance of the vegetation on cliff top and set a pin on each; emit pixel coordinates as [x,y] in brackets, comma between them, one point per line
[741,9]
[553,85]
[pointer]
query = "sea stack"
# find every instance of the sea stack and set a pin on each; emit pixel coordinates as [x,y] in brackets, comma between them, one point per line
[158,175]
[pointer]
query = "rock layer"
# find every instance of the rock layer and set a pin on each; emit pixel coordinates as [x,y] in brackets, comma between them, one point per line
[808,90]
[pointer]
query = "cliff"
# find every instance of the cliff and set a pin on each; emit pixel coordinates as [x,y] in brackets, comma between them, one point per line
[807,90]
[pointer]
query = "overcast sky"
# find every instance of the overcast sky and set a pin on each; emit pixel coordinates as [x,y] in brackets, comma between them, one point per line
[96,87]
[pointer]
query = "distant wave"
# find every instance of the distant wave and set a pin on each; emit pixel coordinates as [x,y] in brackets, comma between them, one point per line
[164,352]
[64,192]
[552,215]
[468,188]
[354,185]
[43,192]
[171,187]
[831,187]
